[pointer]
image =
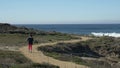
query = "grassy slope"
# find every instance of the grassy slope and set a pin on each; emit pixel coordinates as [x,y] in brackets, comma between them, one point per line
[20,39]
[13,59]
[12,39]
[16,59]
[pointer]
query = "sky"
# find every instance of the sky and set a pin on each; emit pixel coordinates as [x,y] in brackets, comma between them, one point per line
[59,11]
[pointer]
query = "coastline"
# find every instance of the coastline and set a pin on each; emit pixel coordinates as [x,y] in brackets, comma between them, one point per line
[79,29]
[103,43]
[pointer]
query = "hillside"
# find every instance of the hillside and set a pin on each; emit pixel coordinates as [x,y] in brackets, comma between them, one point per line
[11,29]
[11,35]
[103,52]
[7,28]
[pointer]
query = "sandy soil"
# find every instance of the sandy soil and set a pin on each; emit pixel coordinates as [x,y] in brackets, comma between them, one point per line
[38,57]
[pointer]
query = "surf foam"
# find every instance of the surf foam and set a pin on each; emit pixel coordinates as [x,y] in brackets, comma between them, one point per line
[106,34]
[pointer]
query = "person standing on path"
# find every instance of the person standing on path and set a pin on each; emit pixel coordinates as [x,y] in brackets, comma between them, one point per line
[30,42]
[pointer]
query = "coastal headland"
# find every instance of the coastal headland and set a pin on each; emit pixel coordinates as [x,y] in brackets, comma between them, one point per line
[55,49]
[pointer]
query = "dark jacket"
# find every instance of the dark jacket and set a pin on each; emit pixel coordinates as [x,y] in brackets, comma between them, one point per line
[30,40]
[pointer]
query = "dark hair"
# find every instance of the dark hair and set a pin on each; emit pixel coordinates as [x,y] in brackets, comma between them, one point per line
[31,35]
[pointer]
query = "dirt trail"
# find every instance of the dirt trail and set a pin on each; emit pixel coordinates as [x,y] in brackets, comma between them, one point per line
[38,57]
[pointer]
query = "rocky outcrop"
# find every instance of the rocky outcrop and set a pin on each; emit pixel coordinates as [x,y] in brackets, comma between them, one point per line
[7,28]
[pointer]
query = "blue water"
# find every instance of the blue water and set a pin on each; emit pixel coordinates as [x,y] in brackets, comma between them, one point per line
[76,28]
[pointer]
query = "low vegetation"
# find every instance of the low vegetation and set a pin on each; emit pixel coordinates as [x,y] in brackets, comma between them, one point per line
[103,52]
[21,39]
[16,36]
[11,59]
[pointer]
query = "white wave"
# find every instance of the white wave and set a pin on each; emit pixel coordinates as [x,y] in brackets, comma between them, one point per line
[106,34]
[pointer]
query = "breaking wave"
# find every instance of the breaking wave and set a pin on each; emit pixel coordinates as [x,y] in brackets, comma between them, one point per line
[106,34]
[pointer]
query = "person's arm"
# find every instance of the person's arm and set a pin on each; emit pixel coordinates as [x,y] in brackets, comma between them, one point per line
[33,39]
[27,39]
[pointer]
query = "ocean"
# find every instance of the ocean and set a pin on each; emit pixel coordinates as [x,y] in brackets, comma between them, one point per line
[95,29]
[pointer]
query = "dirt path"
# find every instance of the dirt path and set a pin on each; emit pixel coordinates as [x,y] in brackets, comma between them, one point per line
[9,48]
[38,57]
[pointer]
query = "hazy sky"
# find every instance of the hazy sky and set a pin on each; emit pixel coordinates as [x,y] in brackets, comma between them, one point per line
[59,11]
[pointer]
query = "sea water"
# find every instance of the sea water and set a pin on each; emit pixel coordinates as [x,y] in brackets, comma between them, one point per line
[94,29]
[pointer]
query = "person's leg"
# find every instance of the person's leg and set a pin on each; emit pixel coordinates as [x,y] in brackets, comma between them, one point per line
[30,47]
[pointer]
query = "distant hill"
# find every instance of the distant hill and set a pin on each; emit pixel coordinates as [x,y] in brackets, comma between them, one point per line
[7,28]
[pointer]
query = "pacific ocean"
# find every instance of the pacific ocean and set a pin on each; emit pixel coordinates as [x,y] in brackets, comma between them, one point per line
[76,28]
